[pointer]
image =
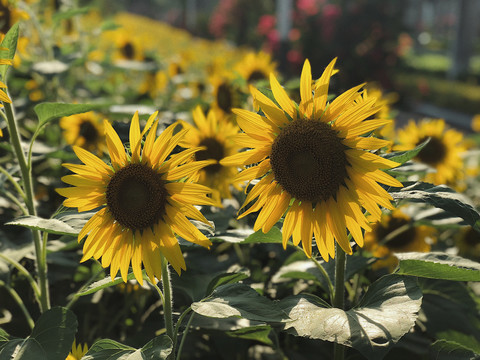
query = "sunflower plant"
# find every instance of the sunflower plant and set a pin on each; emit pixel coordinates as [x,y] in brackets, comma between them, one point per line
[292,230]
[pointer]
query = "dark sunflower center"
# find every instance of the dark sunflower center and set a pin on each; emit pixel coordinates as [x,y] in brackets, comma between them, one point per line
[472,237]
[214,150]
[256,75]
[400,240]
[88,131]
[433,153]
[225,97]
[4,18]
[128,51]
[136,196]
[308,160]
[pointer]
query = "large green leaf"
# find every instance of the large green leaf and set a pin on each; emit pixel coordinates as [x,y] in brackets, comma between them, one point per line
[239,300]
[450,350]
[51,338]
[436,265]
[273,236]
[48,111]
[387,311]
[157,349]
[53,226]
[440,196]
[225,278]
[258,333]
[10,43]
[105,283]
[402,157]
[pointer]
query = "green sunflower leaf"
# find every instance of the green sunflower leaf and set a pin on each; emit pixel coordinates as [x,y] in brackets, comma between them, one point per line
[156,349]
[402,157]
[450,350]
[106,282]
[239,300]
[51,338]
[48,111]
[10,43]
[436,265]
[274,236]
[225,278]
[52,226]
[439,196]
[386,313]
[258,333]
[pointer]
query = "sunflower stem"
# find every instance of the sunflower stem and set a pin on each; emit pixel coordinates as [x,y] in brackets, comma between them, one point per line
[180,347]
[325,275]
[20,303]
[167,305]
[26,171]
[339,297]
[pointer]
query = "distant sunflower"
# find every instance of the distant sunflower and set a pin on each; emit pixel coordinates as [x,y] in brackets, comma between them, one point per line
[396,233]
[443,152]
[256,66]
[476,123]
[468,243]
[226,94]
[127,46]
[85,130]
[214,133]
[313,163]
[78,351]
[143,202]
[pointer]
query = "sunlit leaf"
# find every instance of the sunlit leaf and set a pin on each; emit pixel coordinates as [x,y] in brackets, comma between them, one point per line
[239,300]
[450,350]
[436,265]
[274,236]
[387,311]
[53,226]
[50,111]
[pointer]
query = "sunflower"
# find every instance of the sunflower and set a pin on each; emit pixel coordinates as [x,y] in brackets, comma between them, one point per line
[213,132]
[396,233]
[226,94]
[143,201]
[127,46]
[443,151]
[77,351]
[468,243]
[256,66]
[313,163]
[85,130]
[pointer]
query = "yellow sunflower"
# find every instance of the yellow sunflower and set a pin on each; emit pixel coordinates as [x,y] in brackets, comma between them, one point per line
[256,66]
[215,134]
[313,163]
[476,123]
[127,46]
[443,152]
[226,94]
[77,351]
[396,233]
[143,201]
[85,130]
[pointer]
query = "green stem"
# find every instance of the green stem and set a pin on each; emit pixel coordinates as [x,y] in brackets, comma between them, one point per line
[167,304]
[339,297]
[180,346]
[25,169]
[17,202]
[13,182]
[76,296]
[20,303]
[325,275]
[24,272]
[179,322]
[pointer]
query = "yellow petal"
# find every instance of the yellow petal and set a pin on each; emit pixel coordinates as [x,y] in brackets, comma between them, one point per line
[306,103]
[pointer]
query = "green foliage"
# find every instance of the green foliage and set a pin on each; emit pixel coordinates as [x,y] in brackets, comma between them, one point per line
[436,265]
[156,349]
[51,338]
[10,43]
[450,350]
[387,311]
[47,112]
[52,226]
[274,236]
[258,333]
[402,157]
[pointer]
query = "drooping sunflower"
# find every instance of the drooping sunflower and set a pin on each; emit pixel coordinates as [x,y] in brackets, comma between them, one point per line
[215,133]
[256,66]
[396,233]
[313,164]
[85,130]
[443,151]
[77,351]
[144,203]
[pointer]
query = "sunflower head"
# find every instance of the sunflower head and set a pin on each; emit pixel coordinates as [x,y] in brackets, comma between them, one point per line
[144,197]
[442,152]
[396,233]
[85,130]
[214,134]
[314,165]
[78,351]
[256,66]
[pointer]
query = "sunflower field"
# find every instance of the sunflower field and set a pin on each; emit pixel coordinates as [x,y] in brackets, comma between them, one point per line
[166,196]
